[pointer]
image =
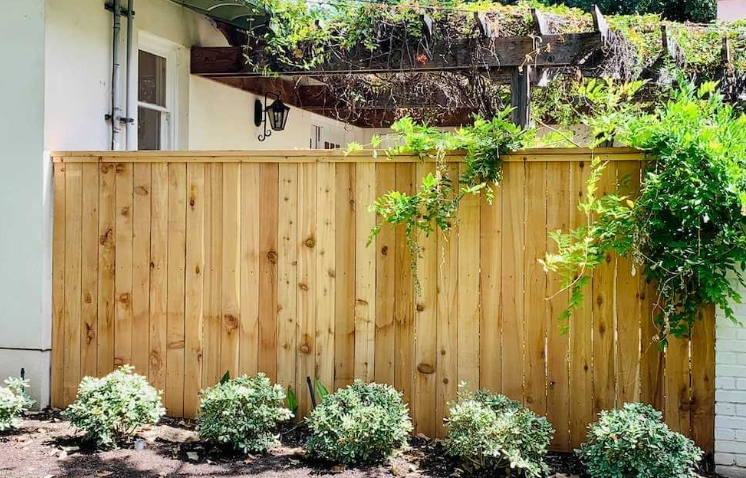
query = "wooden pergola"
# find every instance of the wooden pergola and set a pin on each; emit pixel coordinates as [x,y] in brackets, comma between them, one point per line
[518,61]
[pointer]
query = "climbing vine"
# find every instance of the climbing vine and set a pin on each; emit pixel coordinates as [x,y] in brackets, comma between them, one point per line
[433,207]
[686,230]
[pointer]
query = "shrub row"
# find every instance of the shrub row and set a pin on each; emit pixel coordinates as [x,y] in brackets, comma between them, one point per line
[366,423]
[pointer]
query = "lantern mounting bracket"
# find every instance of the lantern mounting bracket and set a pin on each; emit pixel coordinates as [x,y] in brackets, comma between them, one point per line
[275,114]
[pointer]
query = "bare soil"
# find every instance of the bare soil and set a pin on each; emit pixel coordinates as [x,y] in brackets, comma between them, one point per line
[47,446]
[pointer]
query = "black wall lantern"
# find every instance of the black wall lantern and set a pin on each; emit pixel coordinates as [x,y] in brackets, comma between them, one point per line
[275,114]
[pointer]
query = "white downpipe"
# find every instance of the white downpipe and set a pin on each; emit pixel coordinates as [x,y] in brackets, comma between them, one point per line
[116,108]
[129,125]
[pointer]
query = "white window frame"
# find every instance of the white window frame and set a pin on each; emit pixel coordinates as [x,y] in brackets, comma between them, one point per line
[169,114]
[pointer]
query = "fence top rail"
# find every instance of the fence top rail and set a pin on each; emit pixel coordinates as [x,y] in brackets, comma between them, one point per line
[331,156]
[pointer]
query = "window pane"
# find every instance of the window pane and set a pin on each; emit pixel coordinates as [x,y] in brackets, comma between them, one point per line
[152,79]
[148,129]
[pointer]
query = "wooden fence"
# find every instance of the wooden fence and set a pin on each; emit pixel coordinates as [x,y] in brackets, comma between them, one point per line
[189,264]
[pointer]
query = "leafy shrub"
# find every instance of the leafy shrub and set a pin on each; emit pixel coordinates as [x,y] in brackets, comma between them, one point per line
[13,402]
[362,423]
[634,442]
[113,408]
[493,432]
[243,413]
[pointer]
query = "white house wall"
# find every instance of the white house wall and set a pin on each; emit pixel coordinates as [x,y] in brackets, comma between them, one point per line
[25,195]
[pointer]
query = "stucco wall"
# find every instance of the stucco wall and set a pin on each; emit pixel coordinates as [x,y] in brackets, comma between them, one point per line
[221,117]
[25,234]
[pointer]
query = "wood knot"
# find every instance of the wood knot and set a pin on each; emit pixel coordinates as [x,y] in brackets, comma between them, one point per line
[197,270]
[426,368]
[230,321]
[125,211]
[141,191]
[303,286]
[600,300]
[304,348]
[445,380]
[332,273]
[362,301]
[192,202]
[601,329]
[107,238]
[175,345]
[105,167]
[90,332]
[272,256]
[88,299]
[120,168]
[124,297]
[155,360]
[442,351]
[310,242]
[420,307]
[384,250]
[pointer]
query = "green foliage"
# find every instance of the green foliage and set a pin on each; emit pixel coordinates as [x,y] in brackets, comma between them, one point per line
[686,230]
[435,204]
[679,10]
[115,407]
[635,443]
[492,432]
[321,391]
[292,401]
[14,401]
[243,413]
[362,423]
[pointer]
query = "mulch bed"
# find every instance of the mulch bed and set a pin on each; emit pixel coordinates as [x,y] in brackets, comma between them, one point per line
[47,446]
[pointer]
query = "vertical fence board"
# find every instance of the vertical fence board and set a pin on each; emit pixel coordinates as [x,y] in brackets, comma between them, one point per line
[326,273]
[195,265]
[123,278]
[106,267]
[426,328]
[268,204]
[213,277]
[174,393]
[446,370]
[345,303]
[558,343]
[141,268]
[385,281]
[627,304]
[468,290]
[581,378]
[307,285]
[231,268]
[602,291]
[158,275]
[677,385]
[249,336]
[534,366]
[404,360]
[73,220]
[703,380]
[365,273]
[287,268]
[513,217]
[58,287]
[490,339]
[89,269]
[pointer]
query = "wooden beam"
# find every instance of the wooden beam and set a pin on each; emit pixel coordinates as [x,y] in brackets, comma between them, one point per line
[484,53]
